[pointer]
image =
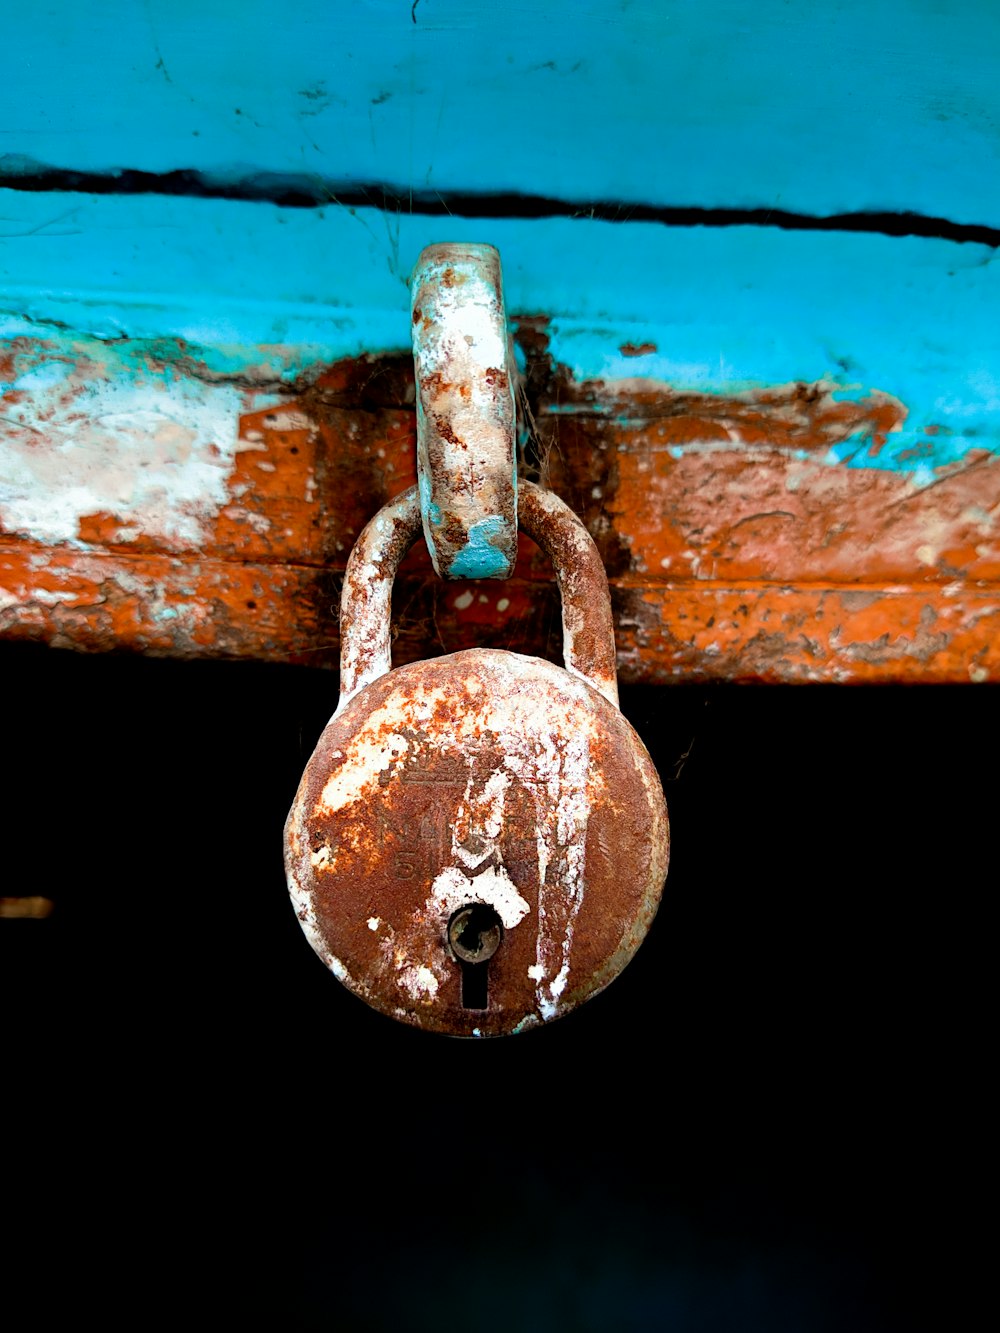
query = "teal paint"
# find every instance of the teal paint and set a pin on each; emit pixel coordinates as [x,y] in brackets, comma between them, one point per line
[39,376]
[480,559]
[258,294]
[851,105]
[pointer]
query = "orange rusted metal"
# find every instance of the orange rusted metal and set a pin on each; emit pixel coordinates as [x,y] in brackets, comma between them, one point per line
[770,508]
[479,786]
[736,549]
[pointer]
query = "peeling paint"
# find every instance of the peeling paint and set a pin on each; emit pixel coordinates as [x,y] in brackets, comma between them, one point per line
[480,558]
[93,434]
[729,311]
[827,486]
[715,509]
[452,889]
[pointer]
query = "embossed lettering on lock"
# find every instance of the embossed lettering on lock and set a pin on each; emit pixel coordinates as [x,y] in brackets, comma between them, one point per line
[479,841]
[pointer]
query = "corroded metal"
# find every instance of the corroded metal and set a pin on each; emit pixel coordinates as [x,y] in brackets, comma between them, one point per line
[475,932]
[478,778]
[782,534]
[466,461]
[365,602]
[481,779]
[588,627]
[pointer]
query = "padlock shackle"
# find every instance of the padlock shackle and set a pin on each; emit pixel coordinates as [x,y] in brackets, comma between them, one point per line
[365,603]
[588,626]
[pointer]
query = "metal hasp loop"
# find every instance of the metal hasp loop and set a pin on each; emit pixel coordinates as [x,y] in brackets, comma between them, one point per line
[588,627]
[466,460]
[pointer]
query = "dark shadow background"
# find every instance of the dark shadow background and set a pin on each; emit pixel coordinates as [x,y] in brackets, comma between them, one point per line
[772,1121]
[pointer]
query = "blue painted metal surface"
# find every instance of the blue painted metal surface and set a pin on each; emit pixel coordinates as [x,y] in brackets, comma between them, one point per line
[146,320]
[855,105]
[258,292]
[849,105]
[480,559]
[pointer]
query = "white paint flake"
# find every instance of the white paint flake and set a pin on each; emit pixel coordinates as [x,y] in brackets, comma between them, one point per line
[564,846]
[494,888]
[367,759]
[420,983]
[153,450]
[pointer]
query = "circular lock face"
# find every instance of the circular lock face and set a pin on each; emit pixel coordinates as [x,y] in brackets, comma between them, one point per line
[478,843]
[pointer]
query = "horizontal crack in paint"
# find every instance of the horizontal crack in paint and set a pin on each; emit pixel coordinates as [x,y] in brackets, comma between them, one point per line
[293,191]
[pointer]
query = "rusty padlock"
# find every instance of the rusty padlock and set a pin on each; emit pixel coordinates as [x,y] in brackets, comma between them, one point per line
[479,841]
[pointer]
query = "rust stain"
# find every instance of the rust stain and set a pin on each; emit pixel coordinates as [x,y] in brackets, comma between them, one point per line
[665,631]
[588,636]
[727,512]
[797,415]
[481,786]
[489,779]
[760,633]
[690,500]
[166,606]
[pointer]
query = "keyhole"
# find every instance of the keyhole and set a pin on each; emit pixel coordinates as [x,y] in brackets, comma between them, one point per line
[474,933]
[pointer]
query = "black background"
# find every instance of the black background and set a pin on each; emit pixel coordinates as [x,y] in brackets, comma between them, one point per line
[772,1121]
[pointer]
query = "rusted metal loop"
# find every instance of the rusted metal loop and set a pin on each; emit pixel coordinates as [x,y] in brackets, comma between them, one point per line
[588,627]
[465,377]
[366,598]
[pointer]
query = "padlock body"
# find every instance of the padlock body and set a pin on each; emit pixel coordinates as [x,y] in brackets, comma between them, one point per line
[484,777]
